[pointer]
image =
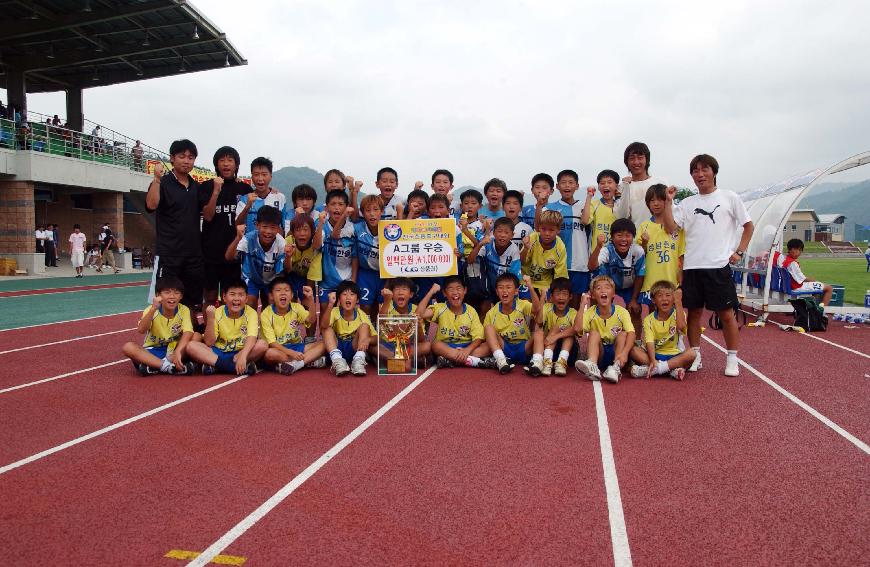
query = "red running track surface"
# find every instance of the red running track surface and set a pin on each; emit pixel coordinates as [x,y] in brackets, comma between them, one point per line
[17,338]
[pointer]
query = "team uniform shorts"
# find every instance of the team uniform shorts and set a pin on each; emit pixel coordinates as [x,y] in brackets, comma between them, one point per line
[608,355]
[644,299]
[158,351]
[579,282]
[810,287]
[516,352]
[219,274]
[223,355]
[709,288]
[370,285]
[625,294]
[296,347]
[346,348]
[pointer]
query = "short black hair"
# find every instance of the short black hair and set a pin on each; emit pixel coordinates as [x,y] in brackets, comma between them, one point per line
[181,146]
[402,282]
[505,222]
[795,243]
[384,170]
[658,191]
[419,194]
[439,198]
[261,162]
[233,283]
[707,160]
[638,148]
[473,193]
[543,177]
[560,284]
[442,172]
[168,282]
[608,173]
[494,182]
[337,194]
[508,277]
[346,285]
[226,151]
[570,173]
[452,280]
[270,215]
[303,191]
[279,280]
[623,225]
[514,194]
[77,226]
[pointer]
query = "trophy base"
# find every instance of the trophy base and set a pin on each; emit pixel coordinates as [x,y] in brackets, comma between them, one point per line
[396,366]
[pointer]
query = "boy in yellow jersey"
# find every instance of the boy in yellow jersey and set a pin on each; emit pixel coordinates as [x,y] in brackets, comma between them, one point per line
[599,213]
[167,328]
[663,331]
[280,323]
[508,327]
[230,344]
[543,254]
[663,251]
[304,245]
[556,327]
[459,339]
[610,334]
[347,330]
[397,303]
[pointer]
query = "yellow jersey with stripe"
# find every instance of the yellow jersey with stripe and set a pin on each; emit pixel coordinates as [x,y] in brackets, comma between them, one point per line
[600,217]
[283,329]
[307,264]
[552,320]
[393,312]
[618,321]
[664,334]
[230,333]
[453,328]
[165,331]
[514,325]
[542,265]
[663,253]
[344,329]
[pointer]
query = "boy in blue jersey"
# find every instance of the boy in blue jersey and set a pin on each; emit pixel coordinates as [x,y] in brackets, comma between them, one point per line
[168,329]
[573,234]
[365,263]
[442,184]
[262,254]
[508,327]
[261,175]
[347,330]
[494,191]
[280,326]
[338,238]
[387,183]
[624,262]
[498,255]
[473,229]
[542,190]
[512,204]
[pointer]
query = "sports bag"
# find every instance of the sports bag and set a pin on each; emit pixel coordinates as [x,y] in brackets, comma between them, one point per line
[808,314]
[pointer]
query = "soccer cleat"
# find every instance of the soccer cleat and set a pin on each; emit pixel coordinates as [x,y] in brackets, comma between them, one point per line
[285,368]
[317,363]
[145,370]
[340,367]
[678,373]
[501,362]
[535,368]
[732,368]
[588,368]
[251,369]
[639,371]
[611,373]
[547,368]
[696,364]
[207,370]
[560,368]
[487,362]
[444,363]
[358,366]
[186,370]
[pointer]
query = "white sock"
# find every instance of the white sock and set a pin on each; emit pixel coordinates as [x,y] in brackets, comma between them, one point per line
[335,354]
[548,354]
[537,358]
[472,361]
[661,367]
[564,355]
[360,354]
[166,366]
[297,364]
[498,353]
[731,357]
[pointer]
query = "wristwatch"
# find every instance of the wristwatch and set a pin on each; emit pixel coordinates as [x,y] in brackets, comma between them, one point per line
[740,253]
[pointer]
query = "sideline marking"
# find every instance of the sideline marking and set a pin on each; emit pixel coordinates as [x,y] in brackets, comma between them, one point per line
[68,340]
[69,321]
[219,559]
[56,290]
[800,403]
[811,336]
[618,532]
[248,522]
[5,469]
[59,376]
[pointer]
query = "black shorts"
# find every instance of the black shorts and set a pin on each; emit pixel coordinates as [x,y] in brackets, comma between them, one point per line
[219,274]
[475,289]
[711,288]
[189,269]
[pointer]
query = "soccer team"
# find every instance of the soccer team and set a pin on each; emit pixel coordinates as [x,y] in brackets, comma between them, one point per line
[557,282]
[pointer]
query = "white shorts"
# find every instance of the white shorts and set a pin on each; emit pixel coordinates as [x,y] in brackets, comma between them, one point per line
[78,259]
[809,287]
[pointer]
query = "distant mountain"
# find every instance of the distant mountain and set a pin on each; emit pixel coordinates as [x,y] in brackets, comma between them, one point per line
[286,178]
[851,200]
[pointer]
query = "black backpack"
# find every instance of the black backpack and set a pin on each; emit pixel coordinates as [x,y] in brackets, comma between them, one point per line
[808,314]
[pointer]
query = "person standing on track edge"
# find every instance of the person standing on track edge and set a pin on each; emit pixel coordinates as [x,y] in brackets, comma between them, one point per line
[177,203]
[219,222]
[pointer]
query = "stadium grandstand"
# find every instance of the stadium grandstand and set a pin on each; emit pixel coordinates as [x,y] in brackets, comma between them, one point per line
[62,168]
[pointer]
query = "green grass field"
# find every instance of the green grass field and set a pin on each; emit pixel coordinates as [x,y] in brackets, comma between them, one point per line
[848,272]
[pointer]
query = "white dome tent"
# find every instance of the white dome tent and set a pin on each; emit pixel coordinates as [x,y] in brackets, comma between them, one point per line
[770,207]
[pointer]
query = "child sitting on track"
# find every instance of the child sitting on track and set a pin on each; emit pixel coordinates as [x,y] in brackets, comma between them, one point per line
[610,334]
[397,303]
[508,327]
[459,339]
[347,330]
[280,323]
[662,332]
[556,327]
[799,282]
[168,329]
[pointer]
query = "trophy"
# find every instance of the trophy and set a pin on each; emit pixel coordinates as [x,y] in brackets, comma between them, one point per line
[397,333]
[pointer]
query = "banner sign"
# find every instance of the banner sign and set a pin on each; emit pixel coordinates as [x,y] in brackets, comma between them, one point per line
[199,174]
[417,248]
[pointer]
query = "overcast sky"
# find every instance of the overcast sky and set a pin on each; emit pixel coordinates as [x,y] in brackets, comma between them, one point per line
[507,89]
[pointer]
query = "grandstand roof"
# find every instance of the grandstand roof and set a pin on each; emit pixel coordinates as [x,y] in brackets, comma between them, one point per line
[63,44]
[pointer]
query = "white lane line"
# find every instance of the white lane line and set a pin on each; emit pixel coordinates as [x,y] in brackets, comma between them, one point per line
[59,376]
[143,284]
[859,353]
[236,532]
[618,532]
[67,340]
[128,421]
[70,320]
[800,403]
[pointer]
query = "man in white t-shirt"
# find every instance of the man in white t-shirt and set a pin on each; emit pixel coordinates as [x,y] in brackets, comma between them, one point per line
[710,221]
[632,201]
[77,250]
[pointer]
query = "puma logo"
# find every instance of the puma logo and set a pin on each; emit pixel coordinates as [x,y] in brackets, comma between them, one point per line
[699,211]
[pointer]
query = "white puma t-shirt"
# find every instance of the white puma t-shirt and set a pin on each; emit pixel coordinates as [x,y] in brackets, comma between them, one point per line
[712,224]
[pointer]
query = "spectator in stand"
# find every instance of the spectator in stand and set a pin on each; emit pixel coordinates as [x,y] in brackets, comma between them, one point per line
[55,121]
[137,152]
[77,250]
[96,141]
[107,241]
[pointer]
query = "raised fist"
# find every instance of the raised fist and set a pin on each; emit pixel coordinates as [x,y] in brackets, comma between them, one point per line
[332,297]
[387,293]
[584,300]
[218,183]
[157,301]
[418,185]
[435,288]
[357,185]
[307,291]
[626,179]
[349,180]
[602,238]
[672,192]
[158,170]
[526,241]
[322,216]
[590,192]
[349,211]
[289,248]
[209,311]
[527,280]
[240,230]
[644,237]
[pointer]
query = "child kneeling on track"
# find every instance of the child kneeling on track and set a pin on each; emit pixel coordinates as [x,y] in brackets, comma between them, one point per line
[280,323]
[230,344]
[610,334]
[261,252]
[459,339]
[799,282]
[168,330]
[556,327]
[624,262]
[347,330]
[662,332]
[508,327]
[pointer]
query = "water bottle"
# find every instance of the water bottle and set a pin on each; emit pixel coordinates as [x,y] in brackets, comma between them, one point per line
[849,318]
[838,317]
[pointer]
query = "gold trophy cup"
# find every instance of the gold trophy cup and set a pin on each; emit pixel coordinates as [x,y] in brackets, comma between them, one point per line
[399,332]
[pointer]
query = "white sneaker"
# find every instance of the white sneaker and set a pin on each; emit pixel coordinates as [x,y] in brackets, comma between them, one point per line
[501,362]
[317,363]
[696,364]
[611,373]
[547,368]
[588,368]
[286,368]
[639,371]
[560,368]
[340,367]
[732,368]
[358,366]
[536,368]
[678,373]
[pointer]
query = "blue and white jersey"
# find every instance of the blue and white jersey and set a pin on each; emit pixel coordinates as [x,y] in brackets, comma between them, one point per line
[456,207]
[315,213]
[337,254]
[528,215]
[573,234]
[277,200]
[490,214]
[475,228]
[366,245]
[390,212]
[623,271]
[260,266]
[495,264]
[521,230]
